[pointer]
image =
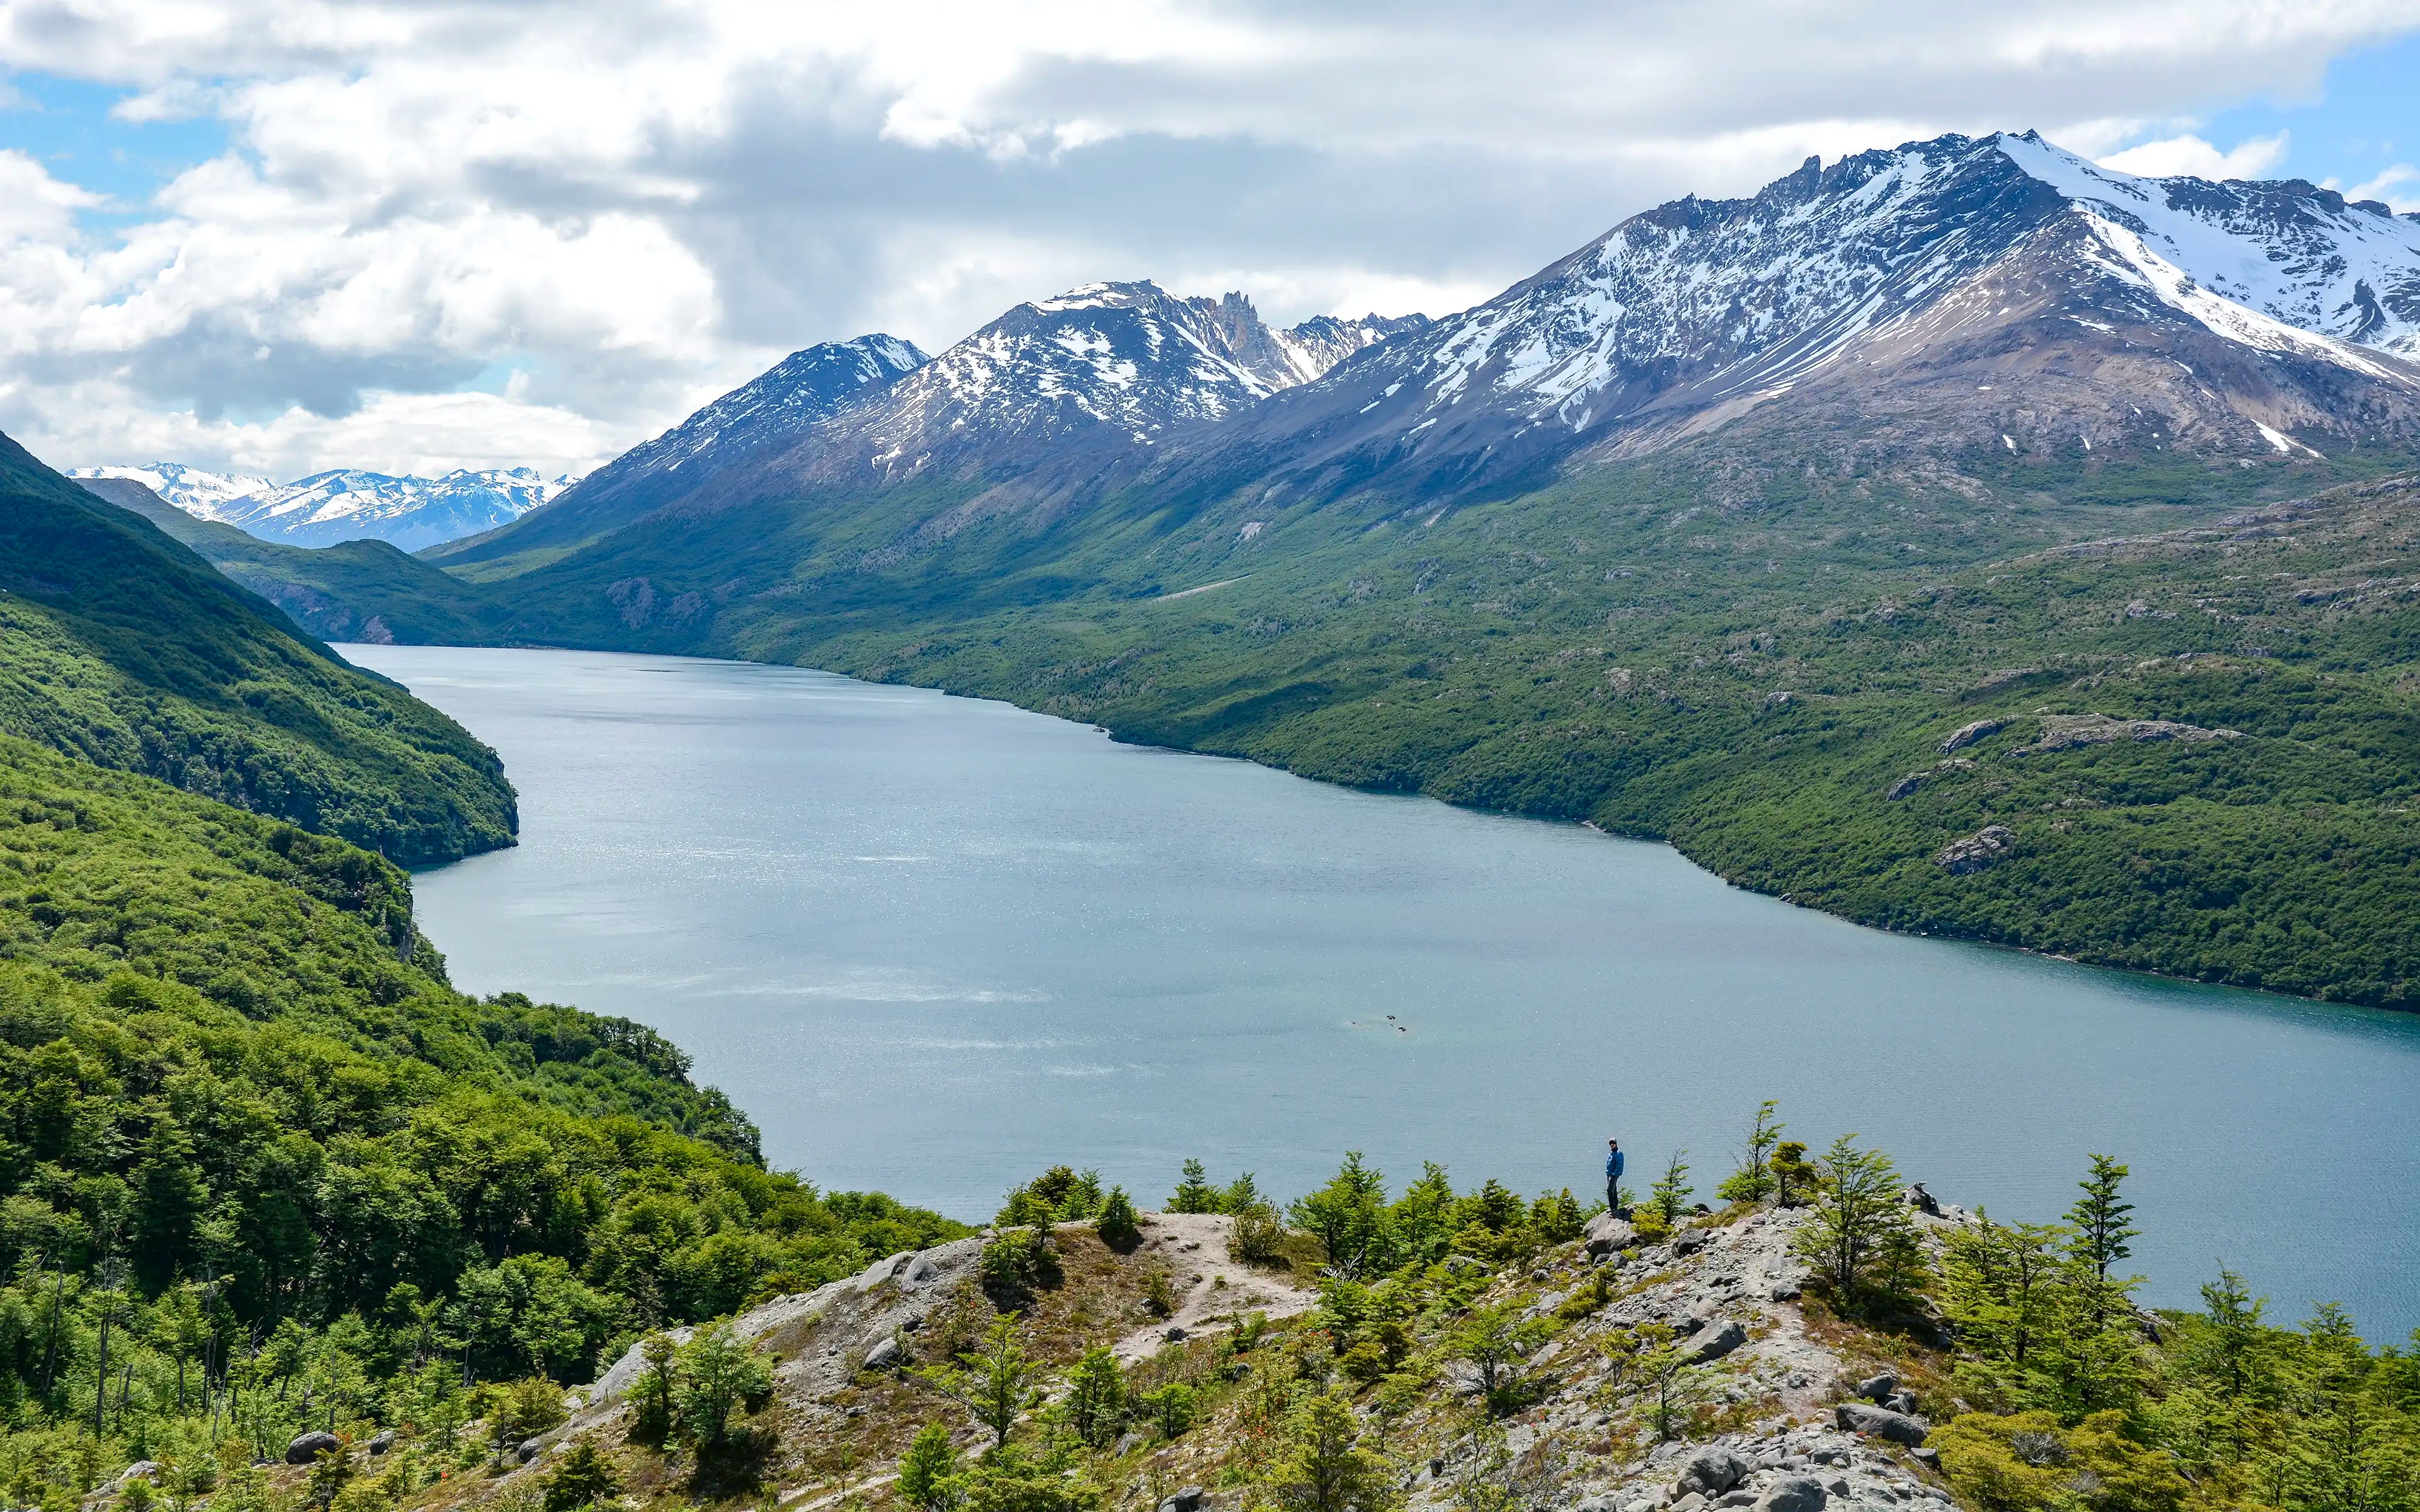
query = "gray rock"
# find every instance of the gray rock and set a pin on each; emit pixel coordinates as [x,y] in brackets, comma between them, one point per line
[1877,1388]
[1607,1233]
[306,1447]
[1128,1445]
[1901,1401]
[1881,1423]
[1785,1290]
[1738,1498]
[383,1442]
[1188,1499]
[530,1449]
[1799,1494]
[1690,1241]
[1984,849]
[141,1470]
[1690,1503]
[1173,1335]
[1928,1458]
[1905,785]
[1970,733]
[885,1354]
[1718,1339]
[1712,1471]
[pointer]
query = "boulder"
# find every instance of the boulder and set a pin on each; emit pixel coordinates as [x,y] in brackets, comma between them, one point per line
[141,1470]
[1877,1388]
[1978,852]
[1690,1241]
[530,1449]
[1968,734]
[1173,1335]
[1798,1493]
[885,1353]
[1902,1401]
[1785,1290]
[384,1442]
[305,1447]
[1922,1201]
[1928,1458]
[1881,1423]
[1716,1339]
[1711,1472]
[1607,1233]
[1690,1503]
[1188,1499]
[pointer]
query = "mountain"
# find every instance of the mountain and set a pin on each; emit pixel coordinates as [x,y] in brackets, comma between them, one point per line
[346,504]
[763,415]
[1102,370]
[1963,293]
[120,646]
[354,591]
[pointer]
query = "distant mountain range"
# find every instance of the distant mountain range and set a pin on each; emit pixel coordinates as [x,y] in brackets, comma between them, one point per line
[348,504]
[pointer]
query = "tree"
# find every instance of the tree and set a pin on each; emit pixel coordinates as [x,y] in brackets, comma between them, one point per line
[928,1471]
[1349,1216]
[1194,1192]
[1326,1469]
[1117,1225]
[1857,1210]
[718,1373]
[1556,1216]
[1495,1340]
[656,1394]
[582,1478]
[1097,1398]
[1670,1195]
[1793,1176]
[1169,1409]
[331,1471]
[2099,1218]
[996,1384]
[1754,1180]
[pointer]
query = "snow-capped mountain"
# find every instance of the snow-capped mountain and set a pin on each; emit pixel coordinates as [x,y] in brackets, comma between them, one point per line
[768,414]
[1121,363]
[197,493]
[2007,289]
[348,504]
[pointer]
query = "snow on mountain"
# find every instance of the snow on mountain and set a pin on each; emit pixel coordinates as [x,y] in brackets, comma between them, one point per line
[2207,310]
[762,417]
[190,489]
[348,504]
[1128,361]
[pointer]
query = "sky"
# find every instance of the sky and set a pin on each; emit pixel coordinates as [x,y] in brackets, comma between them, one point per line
[276,237]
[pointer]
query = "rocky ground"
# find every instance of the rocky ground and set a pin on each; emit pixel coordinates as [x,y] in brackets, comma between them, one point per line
[1795,1410]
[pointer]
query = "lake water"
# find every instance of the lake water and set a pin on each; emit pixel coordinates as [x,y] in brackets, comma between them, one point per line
[934,945]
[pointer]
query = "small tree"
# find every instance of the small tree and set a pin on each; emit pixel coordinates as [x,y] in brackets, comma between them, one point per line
[1495,1340]
[1555,1217]
[582,1478]
[1326,1470]
[1754,1180]
[1118,1227]
[1169,1409]
[928,1471]
[996,1384]
[1857,1210]
[718,1373]
[1097,1398]
[331,1469]
[1349,1215]
[653,1394]
[1194,1193]
[1670,1195]
[1793,1175]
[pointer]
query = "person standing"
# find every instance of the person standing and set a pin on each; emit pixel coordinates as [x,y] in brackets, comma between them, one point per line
[1613,1176]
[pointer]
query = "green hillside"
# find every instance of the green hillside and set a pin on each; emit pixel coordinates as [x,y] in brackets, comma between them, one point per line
[120,646]
[236,1089]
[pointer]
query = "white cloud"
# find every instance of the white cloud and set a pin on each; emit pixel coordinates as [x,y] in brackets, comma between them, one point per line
[633,205]
[2175,155]
[2398,186]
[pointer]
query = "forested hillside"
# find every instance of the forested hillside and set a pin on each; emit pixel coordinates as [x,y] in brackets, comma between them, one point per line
[250,1136]
[120,646]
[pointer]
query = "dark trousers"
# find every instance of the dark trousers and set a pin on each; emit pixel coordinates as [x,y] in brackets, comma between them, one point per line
[1613,1196]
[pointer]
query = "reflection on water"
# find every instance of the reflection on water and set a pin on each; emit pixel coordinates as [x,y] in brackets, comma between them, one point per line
[933,945]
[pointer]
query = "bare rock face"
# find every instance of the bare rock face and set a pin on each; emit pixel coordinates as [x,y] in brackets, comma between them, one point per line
[2064,732]
[1968,734]
[1978,852]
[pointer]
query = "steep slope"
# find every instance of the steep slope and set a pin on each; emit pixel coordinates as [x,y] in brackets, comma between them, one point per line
[120,646]
[358,591]
[199,493]
[1956,290]
[762,416]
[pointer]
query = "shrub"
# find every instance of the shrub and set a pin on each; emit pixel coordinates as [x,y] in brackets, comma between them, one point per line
[582,1478]
[1258,1237]
[928,1470]
[1118,1227]
[1014,1263]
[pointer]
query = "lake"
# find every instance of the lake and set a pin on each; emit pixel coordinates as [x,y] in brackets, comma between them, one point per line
[934,945]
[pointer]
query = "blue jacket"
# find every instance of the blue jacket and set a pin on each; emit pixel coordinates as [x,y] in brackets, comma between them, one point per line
[1613,1164]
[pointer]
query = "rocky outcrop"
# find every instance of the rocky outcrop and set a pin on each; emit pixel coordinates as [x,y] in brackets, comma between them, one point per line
[1967,734]
[2064,732]
[1979,851]
[1881,1423]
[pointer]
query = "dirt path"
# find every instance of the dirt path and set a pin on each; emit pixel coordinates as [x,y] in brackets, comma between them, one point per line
[1215,1288]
